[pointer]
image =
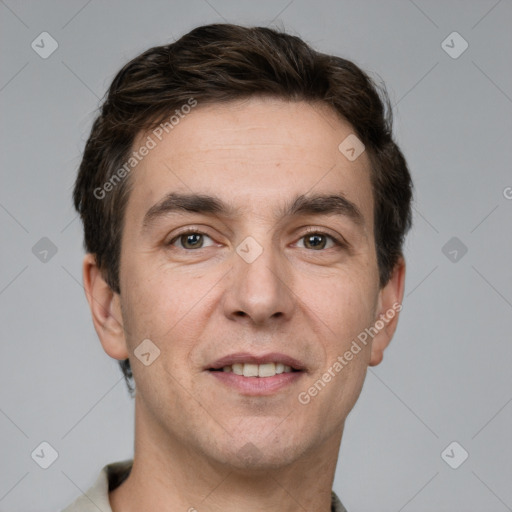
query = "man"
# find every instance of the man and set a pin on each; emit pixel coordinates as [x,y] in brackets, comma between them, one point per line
[244,207]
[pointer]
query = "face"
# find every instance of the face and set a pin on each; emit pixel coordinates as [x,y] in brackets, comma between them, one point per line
[248,238]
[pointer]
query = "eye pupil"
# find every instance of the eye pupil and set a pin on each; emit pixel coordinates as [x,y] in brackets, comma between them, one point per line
[191,240]
[316,241]
[194,240]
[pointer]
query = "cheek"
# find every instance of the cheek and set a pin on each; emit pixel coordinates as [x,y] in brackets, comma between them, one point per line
[155,300]
[346,304]
[350,309]
[168,307]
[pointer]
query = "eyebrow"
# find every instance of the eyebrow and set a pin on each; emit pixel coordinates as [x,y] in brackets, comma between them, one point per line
[330,204]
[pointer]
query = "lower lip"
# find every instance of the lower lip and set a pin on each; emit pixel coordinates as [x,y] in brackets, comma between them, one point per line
[257,386]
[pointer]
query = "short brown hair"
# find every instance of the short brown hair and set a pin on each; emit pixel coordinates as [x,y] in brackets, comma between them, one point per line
[220,63]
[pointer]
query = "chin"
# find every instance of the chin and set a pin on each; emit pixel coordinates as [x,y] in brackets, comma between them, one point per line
[264,453]
[249,459]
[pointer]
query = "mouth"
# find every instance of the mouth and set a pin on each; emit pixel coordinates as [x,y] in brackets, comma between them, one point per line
[252,365]
[257,375]
[265,370]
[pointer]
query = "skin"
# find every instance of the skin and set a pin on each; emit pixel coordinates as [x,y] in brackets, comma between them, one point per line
[199,304]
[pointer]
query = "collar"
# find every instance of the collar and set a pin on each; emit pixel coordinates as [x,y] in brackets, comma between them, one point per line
[114,474]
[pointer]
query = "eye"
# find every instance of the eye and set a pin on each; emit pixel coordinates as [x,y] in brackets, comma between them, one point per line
[317,241]
[191,240]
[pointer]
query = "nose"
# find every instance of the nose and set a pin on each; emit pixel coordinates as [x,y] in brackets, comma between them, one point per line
[259,291]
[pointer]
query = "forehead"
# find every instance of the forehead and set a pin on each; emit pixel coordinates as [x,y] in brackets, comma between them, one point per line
[254,154]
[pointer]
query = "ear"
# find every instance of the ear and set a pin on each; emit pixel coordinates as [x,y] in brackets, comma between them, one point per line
[105,309]
[388,309]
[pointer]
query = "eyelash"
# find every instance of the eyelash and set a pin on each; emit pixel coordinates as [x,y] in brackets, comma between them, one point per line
[337,241]
[311,231]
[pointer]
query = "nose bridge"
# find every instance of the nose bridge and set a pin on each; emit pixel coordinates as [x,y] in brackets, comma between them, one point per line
[259,289]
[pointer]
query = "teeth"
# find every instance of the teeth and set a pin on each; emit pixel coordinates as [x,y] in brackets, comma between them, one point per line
[238,368]
[257,370]
[250,370]
[266,370]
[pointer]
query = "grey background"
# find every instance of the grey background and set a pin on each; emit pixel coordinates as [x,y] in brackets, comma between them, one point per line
[446,376]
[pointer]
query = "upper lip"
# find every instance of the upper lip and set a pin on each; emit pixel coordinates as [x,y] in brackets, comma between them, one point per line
[245,357]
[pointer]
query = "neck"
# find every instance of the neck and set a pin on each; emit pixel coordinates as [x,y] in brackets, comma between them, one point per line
[169,476]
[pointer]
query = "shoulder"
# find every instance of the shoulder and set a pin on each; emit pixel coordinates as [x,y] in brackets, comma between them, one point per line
[336,505]
[96,497]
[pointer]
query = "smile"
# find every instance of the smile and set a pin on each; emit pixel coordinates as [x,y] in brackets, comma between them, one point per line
[258,370]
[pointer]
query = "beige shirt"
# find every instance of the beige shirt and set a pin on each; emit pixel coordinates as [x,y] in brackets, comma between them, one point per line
[113,475]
